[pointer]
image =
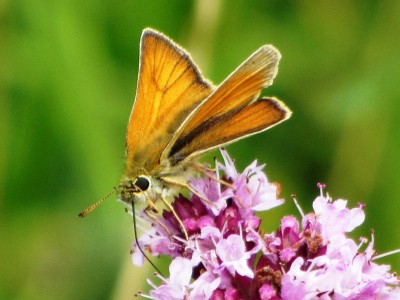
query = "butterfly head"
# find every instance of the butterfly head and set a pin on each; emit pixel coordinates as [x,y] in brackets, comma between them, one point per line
[133,190]
[142,189]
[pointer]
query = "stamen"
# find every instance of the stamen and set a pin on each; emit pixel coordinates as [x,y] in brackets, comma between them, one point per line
[294,198]
[151,283]
[363,240]
[386,254]
[140,294]
[321,187]
[260,239]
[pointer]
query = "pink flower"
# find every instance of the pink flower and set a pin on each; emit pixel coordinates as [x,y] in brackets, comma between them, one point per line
[176,287]
[342,272]
[226,255]
[232,252]
[253,192]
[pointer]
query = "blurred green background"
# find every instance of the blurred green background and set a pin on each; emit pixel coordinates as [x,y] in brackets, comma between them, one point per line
[68,77]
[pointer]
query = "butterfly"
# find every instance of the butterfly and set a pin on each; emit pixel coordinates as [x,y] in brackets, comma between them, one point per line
[178,115]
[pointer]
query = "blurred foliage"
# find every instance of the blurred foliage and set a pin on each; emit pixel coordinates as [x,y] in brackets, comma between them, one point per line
[68,78]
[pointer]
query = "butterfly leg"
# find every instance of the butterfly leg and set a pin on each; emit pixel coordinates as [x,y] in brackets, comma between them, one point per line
[151,215]
[151,206]
[191,189]
[169,206]
[206,171]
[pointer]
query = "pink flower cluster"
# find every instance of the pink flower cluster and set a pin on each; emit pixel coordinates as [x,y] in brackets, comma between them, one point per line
[227,256]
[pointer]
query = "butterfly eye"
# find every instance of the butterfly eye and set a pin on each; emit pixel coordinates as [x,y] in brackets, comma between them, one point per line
[142,183]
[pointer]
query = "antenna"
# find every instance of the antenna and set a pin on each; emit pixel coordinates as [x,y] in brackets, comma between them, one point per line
[94,205]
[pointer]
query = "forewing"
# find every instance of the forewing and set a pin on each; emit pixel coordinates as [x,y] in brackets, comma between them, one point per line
[229,127]
[169,88]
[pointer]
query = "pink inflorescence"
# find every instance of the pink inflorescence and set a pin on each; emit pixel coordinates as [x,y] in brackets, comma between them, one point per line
[228,257]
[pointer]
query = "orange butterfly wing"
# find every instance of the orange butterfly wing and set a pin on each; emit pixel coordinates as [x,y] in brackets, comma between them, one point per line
[169,88]
[242,87]
[225,129]
[230,112]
